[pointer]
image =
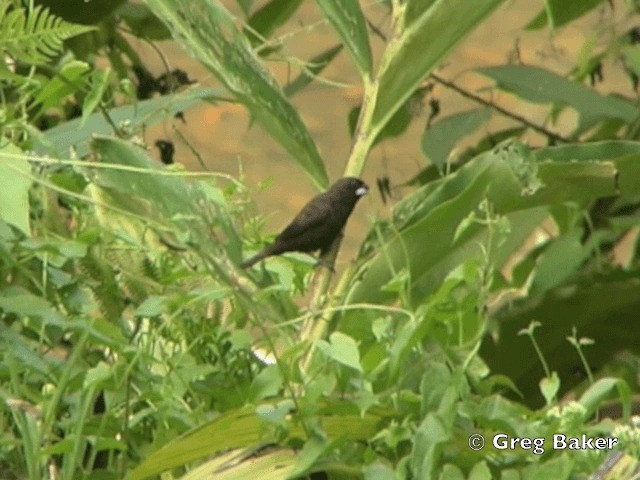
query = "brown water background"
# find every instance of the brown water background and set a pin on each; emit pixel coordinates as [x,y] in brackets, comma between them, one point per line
[227,142]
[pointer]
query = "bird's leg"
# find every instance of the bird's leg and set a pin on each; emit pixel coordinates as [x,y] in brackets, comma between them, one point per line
[326,263]
[328,257]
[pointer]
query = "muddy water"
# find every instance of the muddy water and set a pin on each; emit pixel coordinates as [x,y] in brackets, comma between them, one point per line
[226,141]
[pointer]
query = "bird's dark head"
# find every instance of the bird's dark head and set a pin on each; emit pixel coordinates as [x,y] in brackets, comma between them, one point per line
[350,188]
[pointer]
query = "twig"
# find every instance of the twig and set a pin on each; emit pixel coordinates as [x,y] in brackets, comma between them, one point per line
[503,111]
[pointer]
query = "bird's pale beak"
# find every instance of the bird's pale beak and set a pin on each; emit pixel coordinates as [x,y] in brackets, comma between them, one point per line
[362,191]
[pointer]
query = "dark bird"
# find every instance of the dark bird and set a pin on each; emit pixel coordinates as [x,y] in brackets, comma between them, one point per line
[319,222]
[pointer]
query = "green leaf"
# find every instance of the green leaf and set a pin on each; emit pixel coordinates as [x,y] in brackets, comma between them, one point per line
[631,56]
[24,304]
[271,16]
[234,429]
[152,307]
[131,181]
[349,22]
[480,471]
[537,85]
[600,306]
[425,41]
[602,390]
[70,79]
[77,11]
[243,428]
[169,194]
[451,472]
[14,194]
[99,84]
[74,133]
[209,33]
[271,464]
[513,183]
[549,386]
[97,375]
[559,261]
[430,436]
[379,470]
[314,67]
[558,468]
[266,384]
[343,349]
[312,450]
[142,22]
[33,36]
[560,12]
[440,138]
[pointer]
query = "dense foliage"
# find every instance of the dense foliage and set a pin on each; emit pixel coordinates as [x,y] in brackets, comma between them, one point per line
[132,346]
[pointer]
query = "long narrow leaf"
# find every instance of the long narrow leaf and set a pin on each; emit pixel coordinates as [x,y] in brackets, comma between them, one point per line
[349,22]
[537,85]
[209,33]
[423,44]
[426,242]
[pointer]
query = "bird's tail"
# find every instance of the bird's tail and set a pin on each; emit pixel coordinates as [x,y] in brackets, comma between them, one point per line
[257,257]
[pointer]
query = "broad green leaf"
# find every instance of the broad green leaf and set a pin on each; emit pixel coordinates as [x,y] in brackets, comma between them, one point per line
[605,150]
[234,429]
[25,304]
[426,222]
[558,468]
[480,471]
[19,348]
[624,155]
[537,85]
[433,33]
[142,22]
[557,13]
[74,133]
[451,472]
[349,22]
[379,471]
[415,9]
[97,375]
[343,349]
[425,455]
[243,428]
[153,306]
[15,172]
[562,258]
[266,384]
[312,450]
[169,193]
[209,33]
[549,387]
[497,413]
[440,138]
[268,465]
[131,181]
[600,306]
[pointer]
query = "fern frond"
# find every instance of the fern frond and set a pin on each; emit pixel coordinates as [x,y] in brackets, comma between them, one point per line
[33,36]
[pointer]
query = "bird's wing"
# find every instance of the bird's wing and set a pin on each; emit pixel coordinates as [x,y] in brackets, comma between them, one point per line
[314,213]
